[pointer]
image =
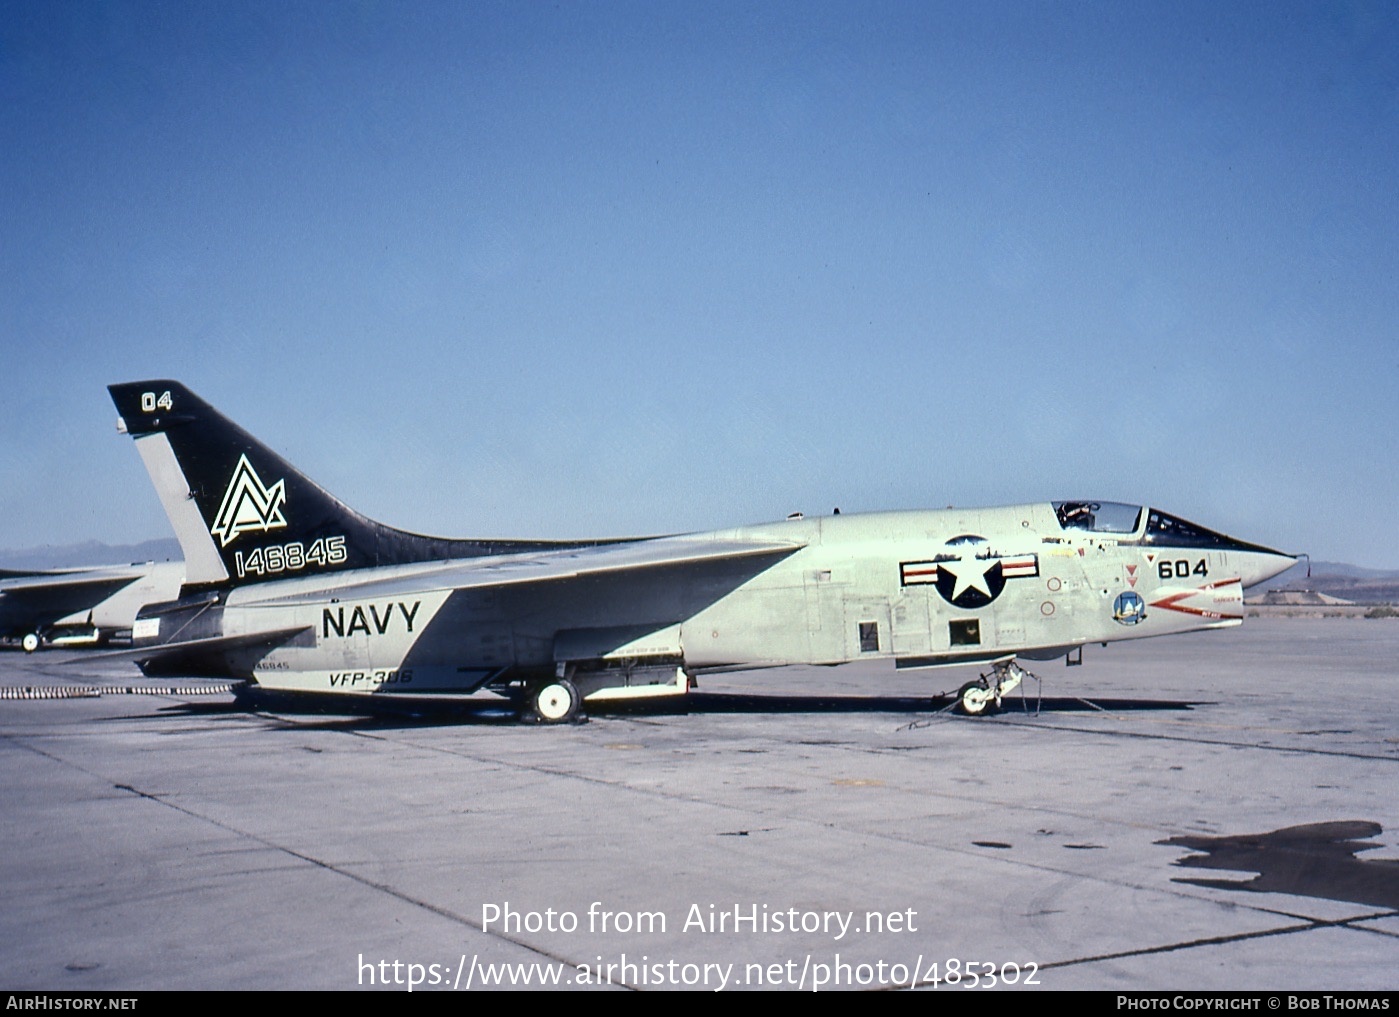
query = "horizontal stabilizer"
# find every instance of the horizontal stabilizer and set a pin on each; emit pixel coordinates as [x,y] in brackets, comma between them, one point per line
[200,648]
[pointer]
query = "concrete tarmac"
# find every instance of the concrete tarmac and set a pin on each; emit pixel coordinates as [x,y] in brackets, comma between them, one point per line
[1222,814]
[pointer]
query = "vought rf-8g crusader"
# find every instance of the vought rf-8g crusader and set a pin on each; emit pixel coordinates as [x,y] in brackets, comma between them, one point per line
[289,588]
[80,606]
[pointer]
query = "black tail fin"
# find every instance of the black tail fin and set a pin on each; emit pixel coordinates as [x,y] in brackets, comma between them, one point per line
[243,514]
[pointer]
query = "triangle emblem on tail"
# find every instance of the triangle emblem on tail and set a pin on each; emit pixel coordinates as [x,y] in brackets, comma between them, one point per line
[248,504]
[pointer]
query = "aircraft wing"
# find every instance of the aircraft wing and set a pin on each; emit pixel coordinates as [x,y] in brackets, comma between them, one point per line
[547,566]
[28,599]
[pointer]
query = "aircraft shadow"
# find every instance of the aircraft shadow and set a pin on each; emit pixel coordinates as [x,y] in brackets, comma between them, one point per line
[1310,860]
[726,702]
[397,712]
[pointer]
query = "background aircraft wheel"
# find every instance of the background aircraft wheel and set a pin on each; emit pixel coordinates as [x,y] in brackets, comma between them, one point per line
[30,642]
[975,700]
[557,701]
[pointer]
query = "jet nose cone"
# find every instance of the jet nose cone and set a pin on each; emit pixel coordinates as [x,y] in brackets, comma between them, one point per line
[1261,564]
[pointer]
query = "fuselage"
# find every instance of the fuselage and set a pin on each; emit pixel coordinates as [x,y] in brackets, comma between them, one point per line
[920,588]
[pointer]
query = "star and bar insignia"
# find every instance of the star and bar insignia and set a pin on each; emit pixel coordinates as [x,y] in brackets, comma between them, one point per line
[968,575]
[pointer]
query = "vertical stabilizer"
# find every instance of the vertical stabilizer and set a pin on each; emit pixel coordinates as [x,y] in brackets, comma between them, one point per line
[243,514]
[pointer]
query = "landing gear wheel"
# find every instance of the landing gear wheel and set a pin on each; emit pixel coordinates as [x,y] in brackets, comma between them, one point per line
[975,699]
[556,701]
[30,642]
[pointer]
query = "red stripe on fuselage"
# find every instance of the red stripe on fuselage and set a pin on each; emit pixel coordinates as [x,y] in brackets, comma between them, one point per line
[1172,603]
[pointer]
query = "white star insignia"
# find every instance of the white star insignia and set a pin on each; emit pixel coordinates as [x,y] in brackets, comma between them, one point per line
[970,574]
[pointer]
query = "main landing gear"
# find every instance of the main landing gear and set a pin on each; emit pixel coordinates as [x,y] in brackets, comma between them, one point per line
[556,701]
[984,695]
[30,642]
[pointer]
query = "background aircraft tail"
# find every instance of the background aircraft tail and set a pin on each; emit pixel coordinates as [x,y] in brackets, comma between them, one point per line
[243,514]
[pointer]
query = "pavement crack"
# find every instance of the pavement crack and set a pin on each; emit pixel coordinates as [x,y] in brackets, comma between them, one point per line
[1309,925]
[383,888]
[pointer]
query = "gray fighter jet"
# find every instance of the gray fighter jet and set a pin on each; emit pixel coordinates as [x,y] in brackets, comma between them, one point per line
[289,588]
[83,606]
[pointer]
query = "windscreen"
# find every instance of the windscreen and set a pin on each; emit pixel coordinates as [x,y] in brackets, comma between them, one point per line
[1169,531]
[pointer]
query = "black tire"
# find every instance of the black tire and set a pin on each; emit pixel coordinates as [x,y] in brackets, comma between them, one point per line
[556,701]
[975,707]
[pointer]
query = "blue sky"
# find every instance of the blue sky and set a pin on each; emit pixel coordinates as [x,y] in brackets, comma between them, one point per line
[592,269]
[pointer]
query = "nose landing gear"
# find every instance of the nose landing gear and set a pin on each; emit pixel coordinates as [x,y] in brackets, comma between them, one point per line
[983,696]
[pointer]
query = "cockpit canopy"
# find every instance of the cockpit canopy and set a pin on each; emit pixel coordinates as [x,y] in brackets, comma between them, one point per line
[1098,516]
[1137,525]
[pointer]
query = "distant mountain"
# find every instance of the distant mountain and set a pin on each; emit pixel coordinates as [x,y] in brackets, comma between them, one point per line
[1335,579]
[91,552]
